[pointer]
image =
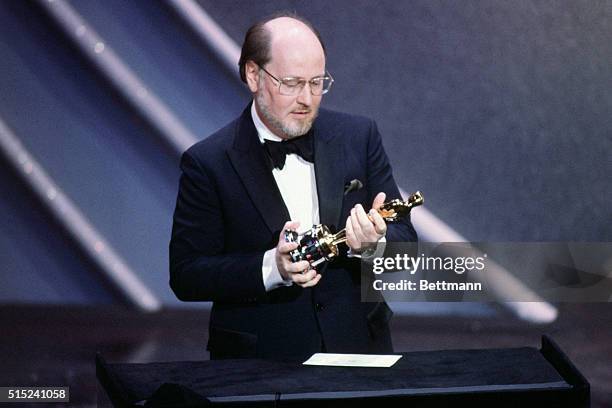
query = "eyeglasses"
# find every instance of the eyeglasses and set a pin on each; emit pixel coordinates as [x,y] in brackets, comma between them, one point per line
[292,86]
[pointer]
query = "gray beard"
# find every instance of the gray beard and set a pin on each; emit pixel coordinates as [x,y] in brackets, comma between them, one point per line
[291,131]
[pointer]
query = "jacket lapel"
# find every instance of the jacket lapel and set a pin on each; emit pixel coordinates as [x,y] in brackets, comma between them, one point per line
[330,179]
[249,160]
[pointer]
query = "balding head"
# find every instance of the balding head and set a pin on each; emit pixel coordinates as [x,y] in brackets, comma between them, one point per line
[293,45]
[281,29]
[278,52]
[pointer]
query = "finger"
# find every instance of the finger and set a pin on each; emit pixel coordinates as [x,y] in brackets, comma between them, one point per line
[284,248]
[367,226]
[379,200]
[368,234]
[296,268]
[380,226]
[305,278]
[356,225]
[357,238]
[351,240]
[312,282]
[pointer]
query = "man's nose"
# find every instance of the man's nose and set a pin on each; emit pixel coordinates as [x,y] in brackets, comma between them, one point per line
[305,95]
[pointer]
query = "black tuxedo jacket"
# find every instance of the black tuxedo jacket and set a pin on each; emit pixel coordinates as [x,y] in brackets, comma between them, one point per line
[229,211]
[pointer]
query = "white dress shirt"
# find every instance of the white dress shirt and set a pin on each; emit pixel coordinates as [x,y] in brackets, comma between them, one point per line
[298,187]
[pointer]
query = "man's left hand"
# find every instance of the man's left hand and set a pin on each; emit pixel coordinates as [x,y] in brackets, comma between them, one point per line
[363,232]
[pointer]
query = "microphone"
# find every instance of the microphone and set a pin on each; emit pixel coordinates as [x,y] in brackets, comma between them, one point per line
[353,185]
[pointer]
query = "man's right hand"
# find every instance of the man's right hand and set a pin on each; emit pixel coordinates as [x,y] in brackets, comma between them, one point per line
[299,272]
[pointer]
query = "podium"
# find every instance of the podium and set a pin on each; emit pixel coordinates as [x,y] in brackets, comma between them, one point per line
[508,377]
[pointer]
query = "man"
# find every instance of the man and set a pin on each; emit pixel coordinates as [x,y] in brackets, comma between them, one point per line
[239,191]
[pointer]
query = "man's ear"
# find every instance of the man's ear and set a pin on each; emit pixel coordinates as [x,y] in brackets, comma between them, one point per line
[252,75]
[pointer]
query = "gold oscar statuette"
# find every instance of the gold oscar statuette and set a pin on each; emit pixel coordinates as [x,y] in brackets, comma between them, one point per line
[319,244]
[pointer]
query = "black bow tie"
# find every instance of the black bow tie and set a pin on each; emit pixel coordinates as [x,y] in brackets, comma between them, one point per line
[278,151]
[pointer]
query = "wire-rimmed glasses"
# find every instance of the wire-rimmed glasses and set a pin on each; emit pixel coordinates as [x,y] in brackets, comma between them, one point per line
[292,86]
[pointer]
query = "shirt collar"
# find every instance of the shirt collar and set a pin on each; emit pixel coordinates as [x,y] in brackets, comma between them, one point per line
[262,130]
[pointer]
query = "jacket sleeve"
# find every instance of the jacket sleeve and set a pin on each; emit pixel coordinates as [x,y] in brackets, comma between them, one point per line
[200,270]
[380,178]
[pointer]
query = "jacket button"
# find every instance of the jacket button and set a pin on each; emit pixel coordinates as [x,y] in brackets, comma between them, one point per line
[319,307]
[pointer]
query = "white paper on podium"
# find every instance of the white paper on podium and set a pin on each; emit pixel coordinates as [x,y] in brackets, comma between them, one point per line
[352,360]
